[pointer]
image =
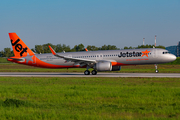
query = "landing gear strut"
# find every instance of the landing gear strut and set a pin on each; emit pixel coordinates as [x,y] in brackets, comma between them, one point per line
[156,68]
[87,72]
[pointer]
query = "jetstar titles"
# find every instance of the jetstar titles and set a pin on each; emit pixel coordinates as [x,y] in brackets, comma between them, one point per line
[130,54]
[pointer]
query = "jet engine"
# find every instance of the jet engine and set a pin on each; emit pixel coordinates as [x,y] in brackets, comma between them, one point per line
[103,66]
[106,66]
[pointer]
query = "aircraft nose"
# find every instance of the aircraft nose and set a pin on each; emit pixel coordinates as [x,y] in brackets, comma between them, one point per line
[172,57]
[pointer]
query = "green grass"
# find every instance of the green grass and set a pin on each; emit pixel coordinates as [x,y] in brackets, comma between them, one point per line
[89,98]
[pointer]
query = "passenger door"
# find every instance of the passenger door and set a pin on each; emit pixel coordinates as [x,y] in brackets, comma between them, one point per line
[154,53]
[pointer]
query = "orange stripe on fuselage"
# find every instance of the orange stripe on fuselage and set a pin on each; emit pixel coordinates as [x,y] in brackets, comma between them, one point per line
[42,64]
[118,64]
[38,63]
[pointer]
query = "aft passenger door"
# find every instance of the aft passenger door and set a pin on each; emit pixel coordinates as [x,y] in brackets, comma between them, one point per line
[154,53]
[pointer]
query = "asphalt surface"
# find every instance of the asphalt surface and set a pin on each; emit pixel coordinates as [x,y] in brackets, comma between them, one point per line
[100,74]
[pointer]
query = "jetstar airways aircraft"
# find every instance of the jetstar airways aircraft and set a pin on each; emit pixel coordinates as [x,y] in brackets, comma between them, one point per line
[106,60]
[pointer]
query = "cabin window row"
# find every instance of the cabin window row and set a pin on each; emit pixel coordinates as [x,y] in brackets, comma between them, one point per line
[96,56]
[100,56]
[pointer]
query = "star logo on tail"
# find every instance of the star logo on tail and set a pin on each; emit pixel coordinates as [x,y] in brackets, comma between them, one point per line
[145,53]
[28,58]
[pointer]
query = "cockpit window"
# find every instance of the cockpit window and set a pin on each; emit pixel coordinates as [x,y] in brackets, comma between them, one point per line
[166,52]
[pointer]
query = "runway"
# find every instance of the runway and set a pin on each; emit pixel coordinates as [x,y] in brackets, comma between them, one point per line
[100,74]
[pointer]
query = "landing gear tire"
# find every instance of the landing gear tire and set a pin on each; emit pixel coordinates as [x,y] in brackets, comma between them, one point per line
[94,72]
[87,72]
[156,71]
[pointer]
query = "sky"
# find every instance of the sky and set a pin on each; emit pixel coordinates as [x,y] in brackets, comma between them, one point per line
[90,22]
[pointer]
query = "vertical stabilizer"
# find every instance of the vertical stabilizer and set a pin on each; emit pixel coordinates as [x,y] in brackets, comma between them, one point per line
[20,49]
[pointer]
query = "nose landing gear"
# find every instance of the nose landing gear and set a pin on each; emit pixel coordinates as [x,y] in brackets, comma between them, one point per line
[156,68]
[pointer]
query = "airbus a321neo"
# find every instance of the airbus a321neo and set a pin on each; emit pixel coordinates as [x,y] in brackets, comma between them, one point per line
[105,60]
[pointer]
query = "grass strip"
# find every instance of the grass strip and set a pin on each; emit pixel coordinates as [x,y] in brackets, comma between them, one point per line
[89,98]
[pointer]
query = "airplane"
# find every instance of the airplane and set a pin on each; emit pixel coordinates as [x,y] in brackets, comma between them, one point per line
[104,60]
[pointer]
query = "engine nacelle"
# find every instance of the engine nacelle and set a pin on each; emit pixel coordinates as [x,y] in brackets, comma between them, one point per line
[116,68]
[103,66]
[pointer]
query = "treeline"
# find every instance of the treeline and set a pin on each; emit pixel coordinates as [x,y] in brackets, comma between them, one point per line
[7,52]
[60,48]
[144,46]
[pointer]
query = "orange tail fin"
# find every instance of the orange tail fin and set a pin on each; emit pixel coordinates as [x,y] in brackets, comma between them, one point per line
[19,47]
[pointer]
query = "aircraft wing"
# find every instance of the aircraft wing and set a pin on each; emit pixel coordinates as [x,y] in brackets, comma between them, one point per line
[80,61]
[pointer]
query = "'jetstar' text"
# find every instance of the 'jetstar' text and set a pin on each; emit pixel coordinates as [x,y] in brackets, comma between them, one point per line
[130,54]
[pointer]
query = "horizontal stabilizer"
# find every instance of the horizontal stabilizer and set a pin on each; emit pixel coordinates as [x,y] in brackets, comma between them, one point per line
[16,59]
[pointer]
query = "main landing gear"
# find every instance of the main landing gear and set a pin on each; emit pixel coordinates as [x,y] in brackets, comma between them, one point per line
[87,72]
[156,68]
